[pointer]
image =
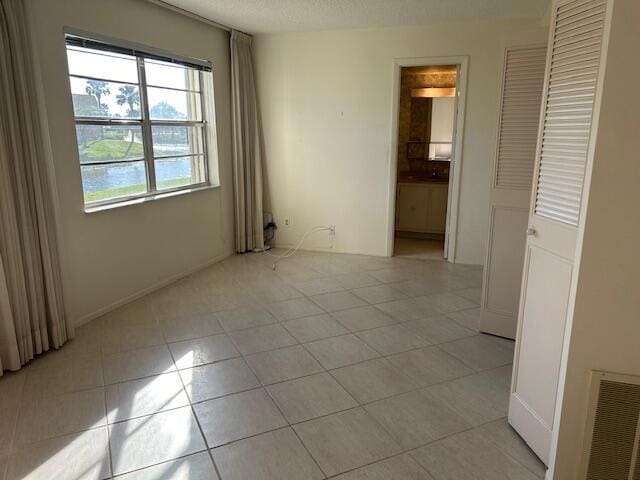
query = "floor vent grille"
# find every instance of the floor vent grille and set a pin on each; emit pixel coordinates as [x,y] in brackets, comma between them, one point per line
[615,437]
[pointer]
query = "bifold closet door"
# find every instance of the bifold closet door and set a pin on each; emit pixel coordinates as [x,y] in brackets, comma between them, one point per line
[521,100]
[571,94]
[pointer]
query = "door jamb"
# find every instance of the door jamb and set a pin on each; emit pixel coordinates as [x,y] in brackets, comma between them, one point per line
[456,162]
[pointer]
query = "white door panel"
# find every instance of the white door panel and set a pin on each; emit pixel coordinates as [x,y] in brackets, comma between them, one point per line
[522,83]
[508,226]
[571,89]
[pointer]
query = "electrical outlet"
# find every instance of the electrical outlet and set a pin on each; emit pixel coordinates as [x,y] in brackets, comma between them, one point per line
[287,222]
[332,230]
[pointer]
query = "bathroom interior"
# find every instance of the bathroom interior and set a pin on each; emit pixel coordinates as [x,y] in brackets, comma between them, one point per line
[425,151]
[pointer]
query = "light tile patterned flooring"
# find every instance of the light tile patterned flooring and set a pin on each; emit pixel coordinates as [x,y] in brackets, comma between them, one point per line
[333,366]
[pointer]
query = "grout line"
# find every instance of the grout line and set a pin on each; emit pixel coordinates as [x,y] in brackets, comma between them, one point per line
[197,420]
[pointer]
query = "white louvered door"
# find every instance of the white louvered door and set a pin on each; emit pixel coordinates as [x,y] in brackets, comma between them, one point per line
[521,99]
[569,114]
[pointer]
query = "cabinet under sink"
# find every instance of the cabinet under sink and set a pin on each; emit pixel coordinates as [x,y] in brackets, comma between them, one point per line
[422,207]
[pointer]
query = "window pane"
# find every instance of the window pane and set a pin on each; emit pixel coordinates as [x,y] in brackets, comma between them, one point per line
[178,172]
[161,74]
[165,104]
[98,64]
[102,99]
[102,143]
[106,182]
[176,140]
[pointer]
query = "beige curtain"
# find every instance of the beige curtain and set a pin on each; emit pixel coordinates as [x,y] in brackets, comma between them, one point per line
[247,152]
[32,318]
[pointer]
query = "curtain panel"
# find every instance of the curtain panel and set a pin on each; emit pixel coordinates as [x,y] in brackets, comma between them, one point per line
[32,317]
[247,147]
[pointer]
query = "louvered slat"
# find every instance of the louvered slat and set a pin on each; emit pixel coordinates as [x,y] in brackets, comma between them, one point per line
[568,108]
[520,112]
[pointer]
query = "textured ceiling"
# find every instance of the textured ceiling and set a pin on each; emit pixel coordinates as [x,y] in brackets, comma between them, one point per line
[270,16]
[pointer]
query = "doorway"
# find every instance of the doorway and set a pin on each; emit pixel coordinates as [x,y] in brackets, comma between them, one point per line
[427,105]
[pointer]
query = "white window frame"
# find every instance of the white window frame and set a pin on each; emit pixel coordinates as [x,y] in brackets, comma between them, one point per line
[206,123]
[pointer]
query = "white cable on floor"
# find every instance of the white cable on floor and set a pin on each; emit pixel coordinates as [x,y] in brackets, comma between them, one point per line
[292,250]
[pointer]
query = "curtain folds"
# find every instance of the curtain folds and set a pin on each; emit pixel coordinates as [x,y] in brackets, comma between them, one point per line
[247,147]
[32,318]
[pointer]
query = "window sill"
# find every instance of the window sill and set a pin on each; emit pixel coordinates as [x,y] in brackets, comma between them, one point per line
[150,198]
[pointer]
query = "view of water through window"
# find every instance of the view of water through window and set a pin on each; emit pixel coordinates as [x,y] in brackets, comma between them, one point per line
[98,178]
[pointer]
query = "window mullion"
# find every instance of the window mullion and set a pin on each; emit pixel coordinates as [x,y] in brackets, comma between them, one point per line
[203,129]
[146,128]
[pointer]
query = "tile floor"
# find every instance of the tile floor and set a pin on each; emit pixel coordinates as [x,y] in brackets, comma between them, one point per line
[332,366]
[424,249]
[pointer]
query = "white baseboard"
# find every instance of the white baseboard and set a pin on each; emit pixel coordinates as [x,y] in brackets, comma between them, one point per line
[145,291]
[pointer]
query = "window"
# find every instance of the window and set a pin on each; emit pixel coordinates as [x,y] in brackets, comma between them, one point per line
[142,121]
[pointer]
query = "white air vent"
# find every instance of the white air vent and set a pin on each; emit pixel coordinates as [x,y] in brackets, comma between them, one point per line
[614,428]
[571,83]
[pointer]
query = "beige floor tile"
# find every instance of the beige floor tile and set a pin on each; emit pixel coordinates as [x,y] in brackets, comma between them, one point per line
[237,416]
[275,455]
[218,379]
[283,364]
[467,318]
[276,293]
[346,440]
[439,329]
[355,280]
[421,287]
[50,417]
[445,302]
[379,294]
[262,339]
[507,440]
[146,441]
[228,301]
[472,294]
[393,274]
[49,375]
[310,397]
[319,286]
[481,352]
[146,396]
[190,327]
[372,380]
[201,351]
[77,456]
[402,467]
[340,351]
[121,337]
[469,456]
[316,327]
[363,318]
[406,309]
[296,308]
[119,367]
[478,398]
[194,467]
[392,339]
[414,419]
[429,365]
[242,318]
[332,302]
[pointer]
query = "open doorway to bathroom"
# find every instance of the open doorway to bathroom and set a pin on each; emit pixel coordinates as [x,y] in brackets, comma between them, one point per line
[427,108]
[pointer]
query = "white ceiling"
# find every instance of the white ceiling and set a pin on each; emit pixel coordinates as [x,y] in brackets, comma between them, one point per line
[270,16]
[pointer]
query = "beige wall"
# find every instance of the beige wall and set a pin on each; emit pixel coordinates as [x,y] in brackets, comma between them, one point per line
[111,255]
[326,108]
[605,330]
